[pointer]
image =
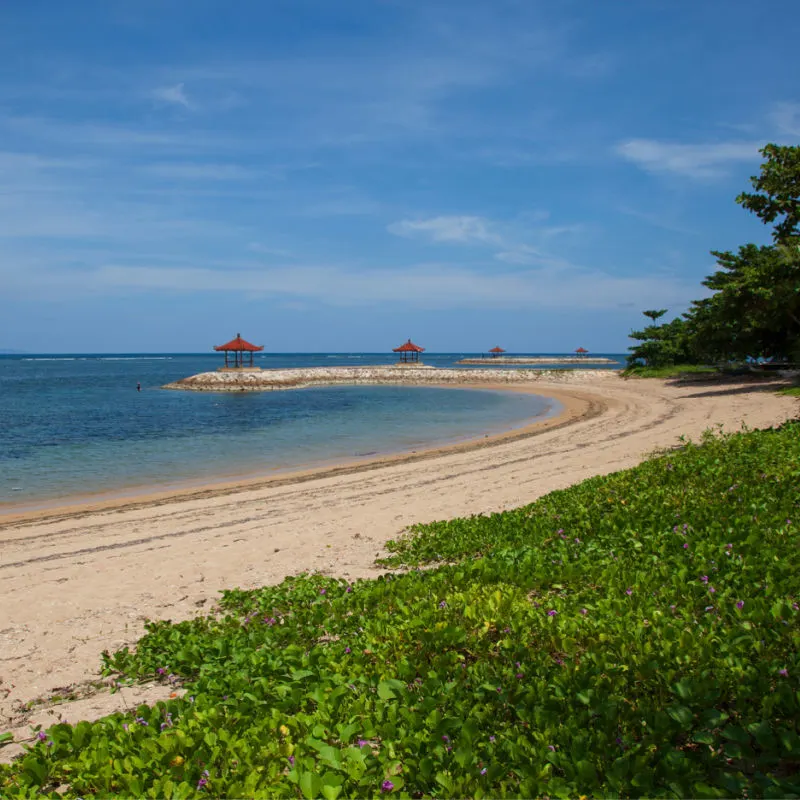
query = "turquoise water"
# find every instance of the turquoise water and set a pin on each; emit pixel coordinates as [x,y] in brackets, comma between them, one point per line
[75,426]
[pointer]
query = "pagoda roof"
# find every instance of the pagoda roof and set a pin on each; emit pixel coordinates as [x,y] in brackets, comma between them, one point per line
[581,350]
[408,347]
[497,350]
[238,344]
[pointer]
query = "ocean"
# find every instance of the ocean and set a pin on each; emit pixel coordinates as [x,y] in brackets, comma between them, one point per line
[74,427]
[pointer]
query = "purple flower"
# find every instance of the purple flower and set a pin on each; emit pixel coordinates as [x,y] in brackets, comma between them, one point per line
[740,605]
[577,540]
[125,727]
[387,786]
[492,738]
[711,590]
[729,546]
[349,589]
[672,608]
[686,545]
[795,607]
[202,783]
[704,578]
[584,611]
[551,747]
[362,742]
[141,721]
[50,741]
[269,621]
[520,675]
[784,673]
[41,736]
[291,760]
[161,670]
[323,591]
[483,771]
[629,591]
[445,738]
[348,650]
[709,608]
[442,604]
[552,612]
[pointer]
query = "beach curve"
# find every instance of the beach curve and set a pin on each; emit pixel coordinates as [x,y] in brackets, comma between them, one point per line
[84,580]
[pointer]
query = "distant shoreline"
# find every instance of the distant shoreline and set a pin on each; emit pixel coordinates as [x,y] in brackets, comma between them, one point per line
[489,361]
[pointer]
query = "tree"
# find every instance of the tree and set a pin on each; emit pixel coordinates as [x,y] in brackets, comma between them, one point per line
[755,309]
[661,345]
[778,191]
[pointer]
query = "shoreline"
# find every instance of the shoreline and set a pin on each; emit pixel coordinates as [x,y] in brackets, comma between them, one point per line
[572,407]
[87,580]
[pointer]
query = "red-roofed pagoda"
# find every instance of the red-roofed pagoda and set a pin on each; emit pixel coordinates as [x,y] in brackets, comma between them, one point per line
[238,347]
[496,351]
[581,351]
[409,352]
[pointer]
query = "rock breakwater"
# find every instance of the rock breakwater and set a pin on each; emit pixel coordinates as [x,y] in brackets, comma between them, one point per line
[281,379]
[499,360]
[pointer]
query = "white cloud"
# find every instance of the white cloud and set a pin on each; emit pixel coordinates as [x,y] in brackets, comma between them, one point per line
[173,94]
[200,171]
[692,160]
[463,230]
[436,286]
[508,238]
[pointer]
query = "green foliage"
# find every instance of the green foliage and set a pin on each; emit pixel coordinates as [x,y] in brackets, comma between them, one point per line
[635,635]
[661,345]
[755,308]
[674,371]
[778,192]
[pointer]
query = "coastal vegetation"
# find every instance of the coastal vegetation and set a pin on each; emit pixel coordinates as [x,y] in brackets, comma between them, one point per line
[633,635]
[753,312]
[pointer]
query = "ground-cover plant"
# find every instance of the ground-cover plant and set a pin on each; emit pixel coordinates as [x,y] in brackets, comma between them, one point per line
[635,635]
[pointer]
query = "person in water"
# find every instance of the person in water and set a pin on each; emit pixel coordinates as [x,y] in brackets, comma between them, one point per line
[138,387]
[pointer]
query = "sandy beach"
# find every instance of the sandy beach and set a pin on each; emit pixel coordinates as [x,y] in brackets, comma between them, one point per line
[80,580]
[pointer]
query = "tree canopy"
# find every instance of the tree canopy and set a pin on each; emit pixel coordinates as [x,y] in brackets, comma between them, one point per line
[754,311]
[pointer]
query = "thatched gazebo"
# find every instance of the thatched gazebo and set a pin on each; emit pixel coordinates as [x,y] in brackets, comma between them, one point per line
[238,347]
[409,352]
[581,351]
[496,351]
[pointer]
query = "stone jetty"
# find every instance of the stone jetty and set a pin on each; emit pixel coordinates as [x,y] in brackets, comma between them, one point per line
[278,379]
[513,360]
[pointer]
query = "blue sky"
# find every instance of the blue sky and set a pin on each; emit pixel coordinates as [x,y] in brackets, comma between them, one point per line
[344,175]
